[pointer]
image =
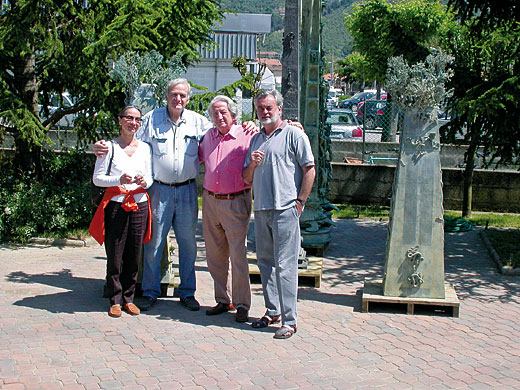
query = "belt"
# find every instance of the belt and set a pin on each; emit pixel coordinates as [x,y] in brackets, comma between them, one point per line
[229,196]
[175,184]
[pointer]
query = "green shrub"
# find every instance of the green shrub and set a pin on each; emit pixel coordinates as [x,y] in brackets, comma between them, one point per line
[56,204]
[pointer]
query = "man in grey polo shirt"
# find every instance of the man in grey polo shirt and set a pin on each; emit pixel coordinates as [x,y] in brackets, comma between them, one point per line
[280,165]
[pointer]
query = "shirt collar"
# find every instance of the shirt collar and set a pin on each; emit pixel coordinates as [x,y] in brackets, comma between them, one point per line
[182,118]
[233,132]
[278,129]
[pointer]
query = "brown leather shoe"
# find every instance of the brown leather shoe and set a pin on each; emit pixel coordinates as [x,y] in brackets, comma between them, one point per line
[115,311]
[131,309]
[242,315]
[219,309]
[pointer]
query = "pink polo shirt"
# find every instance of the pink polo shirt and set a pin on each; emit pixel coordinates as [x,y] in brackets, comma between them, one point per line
[223,157]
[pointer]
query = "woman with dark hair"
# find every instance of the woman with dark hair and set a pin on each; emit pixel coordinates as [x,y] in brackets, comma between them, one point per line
[123,218]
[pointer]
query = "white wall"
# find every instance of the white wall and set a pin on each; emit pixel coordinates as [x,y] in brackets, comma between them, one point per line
[212,74]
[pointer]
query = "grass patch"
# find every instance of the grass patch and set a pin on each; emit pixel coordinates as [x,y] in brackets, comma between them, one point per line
[489,219]
[75,234]
[382,212]
[506,243]
[354,211]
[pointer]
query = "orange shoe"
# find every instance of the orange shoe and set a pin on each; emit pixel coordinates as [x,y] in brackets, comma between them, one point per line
[115,311]
[131,309]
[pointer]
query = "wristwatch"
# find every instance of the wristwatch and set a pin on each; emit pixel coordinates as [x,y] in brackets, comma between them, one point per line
[302,202]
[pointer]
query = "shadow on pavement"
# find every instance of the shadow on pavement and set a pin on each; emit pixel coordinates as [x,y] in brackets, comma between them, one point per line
[83,295]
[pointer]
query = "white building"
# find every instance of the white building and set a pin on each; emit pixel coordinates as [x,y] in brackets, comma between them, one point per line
[237,35]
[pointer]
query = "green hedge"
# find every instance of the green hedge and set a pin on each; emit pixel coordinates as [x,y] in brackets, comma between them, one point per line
[57,204]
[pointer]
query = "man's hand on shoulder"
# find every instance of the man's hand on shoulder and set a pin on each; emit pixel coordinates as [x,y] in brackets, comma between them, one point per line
[100,148]
[296,124]
[250,127]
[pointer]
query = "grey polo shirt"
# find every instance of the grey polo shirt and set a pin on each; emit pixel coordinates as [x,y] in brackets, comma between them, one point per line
[175,156]
[278,178]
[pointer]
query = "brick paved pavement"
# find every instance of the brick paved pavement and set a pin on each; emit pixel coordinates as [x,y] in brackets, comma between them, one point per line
[55,333]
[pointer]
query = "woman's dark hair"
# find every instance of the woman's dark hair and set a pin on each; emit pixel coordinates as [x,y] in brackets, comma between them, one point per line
[128,107]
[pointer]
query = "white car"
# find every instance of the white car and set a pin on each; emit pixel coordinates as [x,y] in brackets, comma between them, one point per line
[343,124]
[333,96]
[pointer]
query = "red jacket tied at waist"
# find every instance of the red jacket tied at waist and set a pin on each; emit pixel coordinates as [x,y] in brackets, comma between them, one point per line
[97,225]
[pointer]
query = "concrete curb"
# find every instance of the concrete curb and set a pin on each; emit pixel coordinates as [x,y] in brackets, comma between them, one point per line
[63,242]
[504,269]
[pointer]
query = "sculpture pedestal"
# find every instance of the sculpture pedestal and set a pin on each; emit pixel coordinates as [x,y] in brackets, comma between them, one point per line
[414,264]
[373,293]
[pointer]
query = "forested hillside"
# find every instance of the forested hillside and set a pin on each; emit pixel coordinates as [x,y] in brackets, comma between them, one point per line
[336,42]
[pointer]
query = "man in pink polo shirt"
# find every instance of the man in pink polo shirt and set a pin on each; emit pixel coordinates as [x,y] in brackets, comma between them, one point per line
[226,208]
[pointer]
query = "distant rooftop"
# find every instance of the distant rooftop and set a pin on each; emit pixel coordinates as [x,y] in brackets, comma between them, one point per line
[237,36]
[272,63]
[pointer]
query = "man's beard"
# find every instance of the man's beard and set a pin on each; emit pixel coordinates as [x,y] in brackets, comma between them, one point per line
[267,121]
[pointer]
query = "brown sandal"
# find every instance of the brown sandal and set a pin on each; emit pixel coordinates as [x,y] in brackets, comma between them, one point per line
[265,321]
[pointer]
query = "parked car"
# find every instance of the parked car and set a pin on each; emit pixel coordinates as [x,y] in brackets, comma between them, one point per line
[370,113]
[352,102]
[332,97]
[343,124]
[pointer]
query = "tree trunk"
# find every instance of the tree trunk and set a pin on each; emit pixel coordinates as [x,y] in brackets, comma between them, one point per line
[27,157]
[468,180]
[390,122]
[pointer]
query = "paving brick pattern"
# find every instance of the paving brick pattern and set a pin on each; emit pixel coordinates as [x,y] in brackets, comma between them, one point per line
[55,332]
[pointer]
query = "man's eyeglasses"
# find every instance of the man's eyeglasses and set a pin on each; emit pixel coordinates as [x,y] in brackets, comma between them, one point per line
[130,118]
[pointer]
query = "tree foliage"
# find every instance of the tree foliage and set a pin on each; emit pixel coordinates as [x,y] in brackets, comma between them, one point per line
[383,29]
[48,47]
[486,84]
[146,77]
[486,12]
[354,67]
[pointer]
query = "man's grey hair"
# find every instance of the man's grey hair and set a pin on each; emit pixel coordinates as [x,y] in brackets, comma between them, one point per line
[174,82]
[266,92]
[232,107]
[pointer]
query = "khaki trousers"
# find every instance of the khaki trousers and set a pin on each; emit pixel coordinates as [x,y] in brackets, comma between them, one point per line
[225,223]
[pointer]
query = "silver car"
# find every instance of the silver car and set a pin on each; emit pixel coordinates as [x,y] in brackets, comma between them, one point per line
[343,124]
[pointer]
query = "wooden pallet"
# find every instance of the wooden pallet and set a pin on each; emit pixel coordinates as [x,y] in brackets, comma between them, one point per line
[373,293]
[309,276]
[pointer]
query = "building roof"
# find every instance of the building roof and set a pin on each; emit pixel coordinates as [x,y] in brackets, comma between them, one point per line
[273,64]
[237,36]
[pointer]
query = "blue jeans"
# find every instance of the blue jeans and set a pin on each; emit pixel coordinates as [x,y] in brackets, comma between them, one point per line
[178,208]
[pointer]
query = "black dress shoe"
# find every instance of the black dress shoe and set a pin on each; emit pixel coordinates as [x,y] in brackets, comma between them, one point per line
[242,315]
[190,303]
[146,303]
[219,309]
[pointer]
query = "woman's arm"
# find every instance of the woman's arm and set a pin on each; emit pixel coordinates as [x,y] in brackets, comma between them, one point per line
[100,177]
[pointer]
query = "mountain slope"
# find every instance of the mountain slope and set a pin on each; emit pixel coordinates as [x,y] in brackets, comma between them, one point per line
[336,41]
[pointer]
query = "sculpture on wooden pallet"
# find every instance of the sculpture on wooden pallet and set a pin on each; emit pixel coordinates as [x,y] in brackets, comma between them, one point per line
[414,264]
